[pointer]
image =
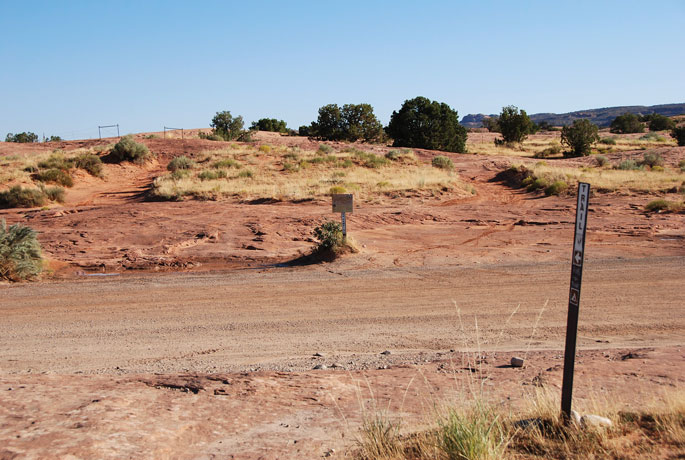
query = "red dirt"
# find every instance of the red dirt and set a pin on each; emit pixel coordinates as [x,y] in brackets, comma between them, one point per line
[79,353]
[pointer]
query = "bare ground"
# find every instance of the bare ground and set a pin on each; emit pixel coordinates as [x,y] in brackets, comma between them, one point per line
[215,359]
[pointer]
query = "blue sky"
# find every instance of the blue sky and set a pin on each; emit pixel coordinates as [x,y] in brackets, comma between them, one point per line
[67,67]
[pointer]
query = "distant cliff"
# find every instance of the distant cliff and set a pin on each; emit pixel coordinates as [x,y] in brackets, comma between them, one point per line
[601,117]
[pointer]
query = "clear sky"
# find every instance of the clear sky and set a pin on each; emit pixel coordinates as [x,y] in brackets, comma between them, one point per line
[68,66]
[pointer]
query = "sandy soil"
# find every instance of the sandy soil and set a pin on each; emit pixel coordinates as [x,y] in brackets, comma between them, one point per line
[215,359]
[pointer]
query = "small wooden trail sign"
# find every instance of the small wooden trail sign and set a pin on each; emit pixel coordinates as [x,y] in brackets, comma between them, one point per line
[343,203]
[574,297]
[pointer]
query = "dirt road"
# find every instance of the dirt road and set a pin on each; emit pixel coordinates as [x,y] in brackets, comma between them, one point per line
[278,318]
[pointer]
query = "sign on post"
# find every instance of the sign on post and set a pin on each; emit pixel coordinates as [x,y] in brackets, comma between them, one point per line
[574,297]
[343,203]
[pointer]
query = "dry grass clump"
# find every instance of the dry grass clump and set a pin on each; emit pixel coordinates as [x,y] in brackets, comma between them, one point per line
[609,180]
[533,431]
[50,167]
[20,253]
[285,173]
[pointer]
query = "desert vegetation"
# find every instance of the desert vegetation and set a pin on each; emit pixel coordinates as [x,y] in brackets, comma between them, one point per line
[426,124]
[579,137]
[514,125]
[286,173]
[20,253]
[350,123]
[481,430]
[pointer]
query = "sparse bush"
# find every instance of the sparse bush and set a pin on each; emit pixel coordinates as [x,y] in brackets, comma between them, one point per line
[607,141]
[558,187]
[370,160]
[491,124]
[53,139]
[549,151]
[290,167]
[579,137]
[180,174]
[514,125]
[534,183]
[427,124]
[393,155]
[626,124]
[329,235]
[601,160]
[628,165]
[659,122]
[681,165]
[264,148]
[337,189]
[54,193]
[182,162]
[127,149]
[56,160]
[652,160]
[22,138]
[678,133]
[226,126]
[210,136]
[442,162]
[652,137]
[325,148]
[18,197]
[90,163]
[54,176]
[20,252]
[212,175]
[246,173]
[227,163]
[662,205]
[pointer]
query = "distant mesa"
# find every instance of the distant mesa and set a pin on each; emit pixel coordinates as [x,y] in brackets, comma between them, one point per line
[601,117]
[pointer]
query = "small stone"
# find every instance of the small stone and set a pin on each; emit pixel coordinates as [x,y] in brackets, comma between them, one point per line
[596,421]
[386,352]
[516,362]
[320,367]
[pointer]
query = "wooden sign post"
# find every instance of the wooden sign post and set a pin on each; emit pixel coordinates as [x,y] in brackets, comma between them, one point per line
[343,203]
[574,298]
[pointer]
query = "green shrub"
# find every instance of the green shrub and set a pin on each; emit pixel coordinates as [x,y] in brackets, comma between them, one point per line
[127,149]
[90,163]
[324,148]
[181,162]
[652,160]
[628,165]
[426,124]
[54,176]
[678,133]
[290,167]
[663,205]
[20,253]
[337,189]
[246,173]
[54,193]
[226,126]
[212,175]
[393,155]
[442,162]
[180,174]
[57,160]
[659,122]
[211,136]
[537,183]
[329,235]
[601,160]
[227,163]
[579,137]
[352,122]
[264,148]
[558,187]
[548,152]
[514,125]
[608,141]
[25,137]
[18,197]
[627,123]
[269,124]
[370,160]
